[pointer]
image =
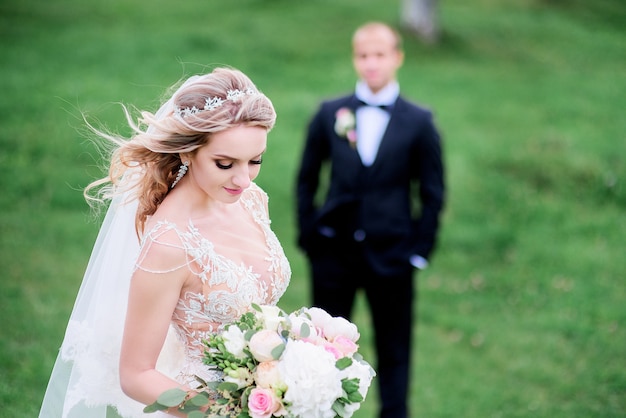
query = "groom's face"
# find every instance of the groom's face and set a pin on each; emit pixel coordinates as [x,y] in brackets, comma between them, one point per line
[376,57]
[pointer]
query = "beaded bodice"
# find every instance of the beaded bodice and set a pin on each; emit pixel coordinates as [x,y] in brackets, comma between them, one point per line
[233,266]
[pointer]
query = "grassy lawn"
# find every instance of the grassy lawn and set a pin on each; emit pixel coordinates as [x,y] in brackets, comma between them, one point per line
[523,310]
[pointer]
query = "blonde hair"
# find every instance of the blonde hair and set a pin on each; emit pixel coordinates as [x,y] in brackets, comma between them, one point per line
[379,26]
[146,165]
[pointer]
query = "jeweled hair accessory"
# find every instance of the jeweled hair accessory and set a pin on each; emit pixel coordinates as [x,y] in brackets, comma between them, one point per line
[211,103]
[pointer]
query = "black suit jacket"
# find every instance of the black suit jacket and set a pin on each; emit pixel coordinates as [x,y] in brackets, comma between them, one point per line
[393,206]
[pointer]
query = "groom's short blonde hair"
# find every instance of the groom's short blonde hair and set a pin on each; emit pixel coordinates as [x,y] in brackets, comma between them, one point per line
[379,26]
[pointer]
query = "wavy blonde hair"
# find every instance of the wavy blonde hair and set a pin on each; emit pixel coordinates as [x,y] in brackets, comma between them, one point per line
[146,165]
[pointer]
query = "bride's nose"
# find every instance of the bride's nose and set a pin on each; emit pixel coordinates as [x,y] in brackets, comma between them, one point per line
[241,177]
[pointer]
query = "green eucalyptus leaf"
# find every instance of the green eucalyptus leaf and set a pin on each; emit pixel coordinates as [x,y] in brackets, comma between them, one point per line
[172,397]
[186,408]
[154,408]
[228,386]
[212,385]
[248,334]
[201,399]
[305,330]
[278,351]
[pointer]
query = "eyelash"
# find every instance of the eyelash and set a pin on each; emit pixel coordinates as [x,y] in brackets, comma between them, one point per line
[227,166]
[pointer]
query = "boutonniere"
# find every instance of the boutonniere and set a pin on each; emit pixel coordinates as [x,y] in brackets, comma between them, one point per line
[345,125]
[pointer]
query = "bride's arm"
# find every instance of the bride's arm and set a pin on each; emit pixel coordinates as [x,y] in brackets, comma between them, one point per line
[152,300]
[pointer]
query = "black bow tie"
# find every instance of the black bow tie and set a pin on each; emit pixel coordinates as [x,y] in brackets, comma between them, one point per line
[386,108]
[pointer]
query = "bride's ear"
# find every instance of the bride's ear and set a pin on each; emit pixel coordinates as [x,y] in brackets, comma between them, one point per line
[185,157]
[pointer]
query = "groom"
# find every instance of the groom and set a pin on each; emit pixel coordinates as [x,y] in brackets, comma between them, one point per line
[380,217]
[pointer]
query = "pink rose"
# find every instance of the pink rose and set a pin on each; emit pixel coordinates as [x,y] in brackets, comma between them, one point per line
[262,343]
[351,135]
[345,345]
[263,403]
[333,350]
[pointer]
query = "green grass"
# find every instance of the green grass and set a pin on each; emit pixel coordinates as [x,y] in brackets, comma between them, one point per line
[522,312]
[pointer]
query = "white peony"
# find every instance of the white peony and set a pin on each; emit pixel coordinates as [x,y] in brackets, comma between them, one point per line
[340,326]
[319,316]
[234,341]
[313,382]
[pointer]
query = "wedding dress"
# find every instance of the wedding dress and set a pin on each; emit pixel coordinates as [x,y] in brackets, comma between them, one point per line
[233,270]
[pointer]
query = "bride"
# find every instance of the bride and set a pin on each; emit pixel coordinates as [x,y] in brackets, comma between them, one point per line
[185,248]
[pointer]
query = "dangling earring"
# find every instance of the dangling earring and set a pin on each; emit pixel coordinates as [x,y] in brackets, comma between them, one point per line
[181,172]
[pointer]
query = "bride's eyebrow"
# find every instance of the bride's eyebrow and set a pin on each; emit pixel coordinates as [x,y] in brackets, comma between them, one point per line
[228,157]
[223,157]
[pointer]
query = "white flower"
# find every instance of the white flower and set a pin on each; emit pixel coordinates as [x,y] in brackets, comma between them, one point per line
[363,371]
[340,326]
[297,321]
[344,121]
[234,341]
[345,125]
[360,370]
[263,343]
[313,381]
[270,317]
[297,366]
[319,317]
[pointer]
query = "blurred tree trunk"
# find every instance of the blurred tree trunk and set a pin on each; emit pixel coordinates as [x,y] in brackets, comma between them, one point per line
[420,18]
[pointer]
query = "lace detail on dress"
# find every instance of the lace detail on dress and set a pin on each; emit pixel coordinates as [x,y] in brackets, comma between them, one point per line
[225,288]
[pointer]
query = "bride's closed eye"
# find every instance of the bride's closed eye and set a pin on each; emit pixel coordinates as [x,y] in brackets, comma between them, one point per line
[223,166]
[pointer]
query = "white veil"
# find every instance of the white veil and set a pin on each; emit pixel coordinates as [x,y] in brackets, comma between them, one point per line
[85,379]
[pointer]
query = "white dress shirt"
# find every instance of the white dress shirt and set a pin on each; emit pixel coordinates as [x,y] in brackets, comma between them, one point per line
[371,120]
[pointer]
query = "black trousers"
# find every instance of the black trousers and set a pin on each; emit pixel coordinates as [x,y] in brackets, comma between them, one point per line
[337,274]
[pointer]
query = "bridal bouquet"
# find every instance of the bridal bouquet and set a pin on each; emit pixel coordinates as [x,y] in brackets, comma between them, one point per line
[299,365]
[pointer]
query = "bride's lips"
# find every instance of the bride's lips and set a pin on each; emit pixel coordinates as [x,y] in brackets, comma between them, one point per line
[234,192]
